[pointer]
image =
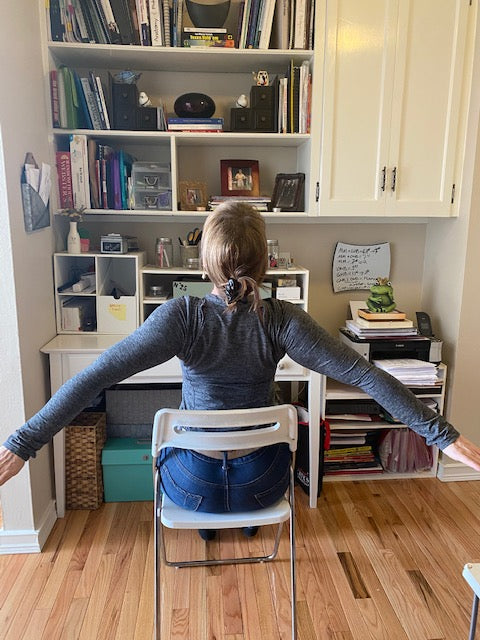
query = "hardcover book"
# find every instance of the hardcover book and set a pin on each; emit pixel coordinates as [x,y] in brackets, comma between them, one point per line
[64,173]
[374,315]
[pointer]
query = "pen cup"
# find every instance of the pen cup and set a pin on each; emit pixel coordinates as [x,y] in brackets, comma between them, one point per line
[187,252]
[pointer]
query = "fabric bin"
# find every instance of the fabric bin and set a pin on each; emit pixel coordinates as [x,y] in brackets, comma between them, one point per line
[127,470]
[84,439]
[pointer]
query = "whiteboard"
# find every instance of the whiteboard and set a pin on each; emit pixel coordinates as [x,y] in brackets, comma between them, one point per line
[357,266]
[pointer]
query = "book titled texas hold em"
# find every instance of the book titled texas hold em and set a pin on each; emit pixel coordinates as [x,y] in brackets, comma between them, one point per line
[207,37]
[382,315]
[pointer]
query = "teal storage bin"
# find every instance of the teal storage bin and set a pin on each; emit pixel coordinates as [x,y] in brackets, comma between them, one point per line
[127,470]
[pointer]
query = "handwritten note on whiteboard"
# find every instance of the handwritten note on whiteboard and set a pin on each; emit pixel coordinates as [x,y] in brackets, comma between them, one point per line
[358,266]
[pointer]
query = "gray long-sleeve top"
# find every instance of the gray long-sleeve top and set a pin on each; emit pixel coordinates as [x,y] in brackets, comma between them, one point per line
[228,361]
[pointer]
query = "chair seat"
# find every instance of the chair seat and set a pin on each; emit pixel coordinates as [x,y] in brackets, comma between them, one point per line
[175,517]
[471,573]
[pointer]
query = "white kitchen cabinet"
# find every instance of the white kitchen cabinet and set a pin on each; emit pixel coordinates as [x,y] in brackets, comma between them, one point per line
[394,71]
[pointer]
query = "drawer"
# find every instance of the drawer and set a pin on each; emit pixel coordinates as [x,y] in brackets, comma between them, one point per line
[169,371]
[289,369]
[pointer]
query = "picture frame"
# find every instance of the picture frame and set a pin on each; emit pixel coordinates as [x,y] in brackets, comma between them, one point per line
[240,177]
[193,195]
[289,192]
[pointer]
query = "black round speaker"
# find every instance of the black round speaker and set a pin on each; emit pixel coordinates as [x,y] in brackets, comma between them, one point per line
[194,105]
[208,15]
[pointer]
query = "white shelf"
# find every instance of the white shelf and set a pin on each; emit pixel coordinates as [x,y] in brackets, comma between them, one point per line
[174,58]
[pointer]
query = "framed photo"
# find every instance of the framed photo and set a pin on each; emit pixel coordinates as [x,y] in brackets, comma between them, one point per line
[240,178]
[193,196]
[289,192]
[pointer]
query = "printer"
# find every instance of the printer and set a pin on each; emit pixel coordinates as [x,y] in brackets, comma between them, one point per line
[418,347]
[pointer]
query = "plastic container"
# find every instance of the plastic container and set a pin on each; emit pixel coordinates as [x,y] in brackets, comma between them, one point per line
[164,252]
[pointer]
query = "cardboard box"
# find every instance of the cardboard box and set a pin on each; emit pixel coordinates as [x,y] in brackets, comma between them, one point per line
[127,470]
[288,293]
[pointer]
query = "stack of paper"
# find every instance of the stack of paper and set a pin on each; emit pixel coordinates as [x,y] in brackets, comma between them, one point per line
[410,371]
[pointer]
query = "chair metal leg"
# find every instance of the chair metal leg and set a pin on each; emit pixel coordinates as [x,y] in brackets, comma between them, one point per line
[157,533]
[293,582]
[473,621]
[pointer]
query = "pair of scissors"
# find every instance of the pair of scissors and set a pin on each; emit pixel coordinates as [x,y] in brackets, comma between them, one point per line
[193,237]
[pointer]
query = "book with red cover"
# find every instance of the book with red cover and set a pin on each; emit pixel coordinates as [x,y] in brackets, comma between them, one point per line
[64,172]
[54,98]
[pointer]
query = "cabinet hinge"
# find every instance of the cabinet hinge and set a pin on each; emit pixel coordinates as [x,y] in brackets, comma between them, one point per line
[453,194]
[317,192]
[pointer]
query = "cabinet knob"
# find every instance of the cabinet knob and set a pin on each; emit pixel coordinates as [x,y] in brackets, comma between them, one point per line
[394,178]
[383,179]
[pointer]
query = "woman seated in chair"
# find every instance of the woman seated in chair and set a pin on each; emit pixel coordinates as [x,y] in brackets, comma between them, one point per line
[229,344]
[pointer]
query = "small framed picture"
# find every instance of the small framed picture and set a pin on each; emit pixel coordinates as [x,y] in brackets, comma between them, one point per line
[240,178]
[289,192]
[193,196]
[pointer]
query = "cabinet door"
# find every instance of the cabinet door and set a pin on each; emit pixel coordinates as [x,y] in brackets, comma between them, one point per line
[359,68]
[426,101]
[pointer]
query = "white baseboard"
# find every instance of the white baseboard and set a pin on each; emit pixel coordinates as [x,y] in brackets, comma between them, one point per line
[29,541]
[455,472]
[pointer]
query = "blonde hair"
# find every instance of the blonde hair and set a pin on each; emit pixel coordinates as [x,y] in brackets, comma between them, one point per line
[234,251]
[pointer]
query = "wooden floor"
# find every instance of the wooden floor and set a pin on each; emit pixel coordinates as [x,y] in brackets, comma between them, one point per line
[378,560]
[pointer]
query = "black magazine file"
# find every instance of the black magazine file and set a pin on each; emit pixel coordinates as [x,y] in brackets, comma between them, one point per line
[302,465]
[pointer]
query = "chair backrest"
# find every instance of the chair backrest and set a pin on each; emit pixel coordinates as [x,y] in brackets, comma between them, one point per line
[212,430]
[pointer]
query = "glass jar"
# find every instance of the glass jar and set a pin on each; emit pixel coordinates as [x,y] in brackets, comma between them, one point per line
[273,253]
[164,252]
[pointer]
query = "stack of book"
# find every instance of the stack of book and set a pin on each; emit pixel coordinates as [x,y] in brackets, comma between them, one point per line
[352,452]
[78,102]
[207,37]
[197,125]
[369,324]
[261,203]
[93,175]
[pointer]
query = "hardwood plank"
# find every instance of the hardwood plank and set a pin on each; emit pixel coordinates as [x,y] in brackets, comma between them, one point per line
[400,545]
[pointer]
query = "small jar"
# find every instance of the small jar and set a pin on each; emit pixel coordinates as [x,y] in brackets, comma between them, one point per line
[164,252]
[156,291]
[193,263]
[273,253]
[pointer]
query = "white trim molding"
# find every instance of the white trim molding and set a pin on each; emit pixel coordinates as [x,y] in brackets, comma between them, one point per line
[29,541]
[455,472]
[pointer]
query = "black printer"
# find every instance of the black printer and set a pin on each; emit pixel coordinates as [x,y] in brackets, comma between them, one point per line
[418,347]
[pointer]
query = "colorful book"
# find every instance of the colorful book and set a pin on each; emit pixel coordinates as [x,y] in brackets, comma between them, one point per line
[64,173]
[79,167]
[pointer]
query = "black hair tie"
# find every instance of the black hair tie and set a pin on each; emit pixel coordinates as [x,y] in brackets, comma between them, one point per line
[231,289]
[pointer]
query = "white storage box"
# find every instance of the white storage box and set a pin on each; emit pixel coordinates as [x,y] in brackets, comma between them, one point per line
[117,316]
[288,293]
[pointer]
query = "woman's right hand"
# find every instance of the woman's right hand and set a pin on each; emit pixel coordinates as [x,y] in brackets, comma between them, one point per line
[10,464]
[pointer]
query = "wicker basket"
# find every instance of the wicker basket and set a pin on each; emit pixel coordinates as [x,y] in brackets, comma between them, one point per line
[84,439]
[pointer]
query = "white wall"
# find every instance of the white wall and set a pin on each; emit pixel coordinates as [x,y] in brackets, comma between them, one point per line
[28,291]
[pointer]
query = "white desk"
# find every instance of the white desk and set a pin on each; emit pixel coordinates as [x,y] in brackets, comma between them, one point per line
[69,354]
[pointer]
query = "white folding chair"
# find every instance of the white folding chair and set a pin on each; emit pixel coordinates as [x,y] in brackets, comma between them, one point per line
[471,573]
[212,431]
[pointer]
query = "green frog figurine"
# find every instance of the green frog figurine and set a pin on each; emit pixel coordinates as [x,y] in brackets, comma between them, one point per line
[381,297]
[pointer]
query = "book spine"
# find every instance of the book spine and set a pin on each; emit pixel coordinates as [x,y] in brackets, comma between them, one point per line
[166,22]
[91,104]
[79,168]
[54,98]
[156,23]
[57,29]
[195,121]
[143,22]
[112,26]
[64,173]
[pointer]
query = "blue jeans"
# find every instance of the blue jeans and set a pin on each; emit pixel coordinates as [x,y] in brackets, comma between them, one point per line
[200,483]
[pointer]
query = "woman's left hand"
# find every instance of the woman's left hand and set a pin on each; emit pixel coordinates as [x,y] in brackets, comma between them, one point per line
[464,451]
